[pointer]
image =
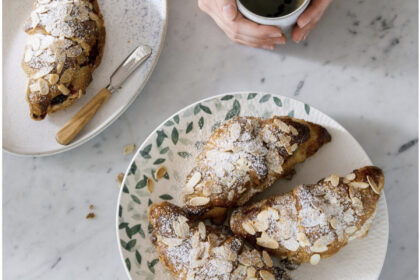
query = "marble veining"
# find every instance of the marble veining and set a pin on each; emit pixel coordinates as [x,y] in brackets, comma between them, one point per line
[359,66]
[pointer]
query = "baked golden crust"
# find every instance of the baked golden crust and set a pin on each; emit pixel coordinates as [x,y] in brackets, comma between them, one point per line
[244,156]
[313,221]
[65,45]
[191,251]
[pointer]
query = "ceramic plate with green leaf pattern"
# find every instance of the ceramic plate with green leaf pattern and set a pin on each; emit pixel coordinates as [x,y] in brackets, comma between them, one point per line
[176,142]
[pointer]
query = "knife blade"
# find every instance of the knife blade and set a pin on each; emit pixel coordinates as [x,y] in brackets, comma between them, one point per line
[73,127]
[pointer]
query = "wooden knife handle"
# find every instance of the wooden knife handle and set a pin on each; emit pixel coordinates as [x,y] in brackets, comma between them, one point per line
[72,128]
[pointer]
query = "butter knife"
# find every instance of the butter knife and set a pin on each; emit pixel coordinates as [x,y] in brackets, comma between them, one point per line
[73,127]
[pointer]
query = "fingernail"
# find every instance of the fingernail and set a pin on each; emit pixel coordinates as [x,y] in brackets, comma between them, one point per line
[268,47]
[279,41]
[229,11]
[275,35]
[302,23]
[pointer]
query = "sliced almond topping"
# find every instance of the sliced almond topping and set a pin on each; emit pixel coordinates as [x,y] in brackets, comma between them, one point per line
[172,242]
[60,66]
[267,259]
[160,172]
[53,79]
[315,259]
[294,147]
[267,242]
[63,89]
[202,230]
[199,201]
[67,76]
[28,55]
[350,176]
[281,125]
[373,185]
[319,246]
[194,180]
[231,195]
[150,185]
[350,230]
[266,275]
[44,89]
[250,271]
[34,87]
[359,185]
[235,131]
[334,179]
[248,228]
[293,130]
[181,227]
[303,239]
[207,190]
[291,244]
[273,213]
[217,189]
[334,223]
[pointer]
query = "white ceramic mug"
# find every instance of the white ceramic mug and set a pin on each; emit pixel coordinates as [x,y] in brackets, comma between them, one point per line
[285,22]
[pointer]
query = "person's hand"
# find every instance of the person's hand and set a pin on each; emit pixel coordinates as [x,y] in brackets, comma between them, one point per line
[239,29]
[310,17]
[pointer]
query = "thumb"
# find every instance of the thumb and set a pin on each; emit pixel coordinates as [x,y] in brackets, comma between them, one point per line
[227,8]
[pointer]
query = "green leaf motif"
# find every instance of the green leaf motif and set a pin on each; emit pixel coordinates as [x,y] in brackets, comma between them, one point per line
[184,154]
[277,101]
[141,232]
[122,225]
[132,231]
[197,109]
[125,189]
[142,183]
[128,264]
[189,127]
[166,197]
[130,245]
[138,257]
[175,135]
[133,168]
[227,97]
[176,119]
[265,98]
[164,150]
[205,109]
[150,228]
[291,113]
[201,123]
[150,202]
[153,171]
[236,109]
[145,152]
[159,161]
[166,176]
[169,123]
[123,243]
[151,265]
[120,211]
[251,96]
[307,109]
[161,136]
[135,199]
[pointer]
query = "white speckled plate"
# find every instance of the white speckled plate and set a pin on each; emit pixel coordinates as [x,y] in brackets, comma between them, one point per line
[174,145]
[129,23]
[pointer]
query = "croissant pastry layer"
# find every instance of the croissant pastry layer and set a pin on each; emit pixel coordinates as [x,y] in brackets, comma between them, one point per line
[196,251]
[65,45]
[313,221]
[244,156]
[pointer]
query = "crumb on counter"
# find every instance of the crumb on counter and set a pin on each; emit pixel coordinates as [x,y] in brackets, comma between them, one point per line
[119,179]
[90,215]
[91,206]
[129,149]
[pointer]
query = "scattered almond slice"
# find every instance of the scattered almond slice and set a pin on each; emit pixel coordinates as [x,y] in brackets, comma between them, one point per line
[267,259]
[267,242]
[248,228]
[333,179]
[172,242]
[291,244]
[129,149]
[150,185]
[266,275]
[120,178]
[303,239]
[160,172]
[350,176]
[194,180]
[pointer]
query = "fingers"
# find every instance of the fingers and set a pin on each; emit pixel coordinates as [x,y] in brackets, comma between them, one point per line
[313,13]
[300,34]
[227,8]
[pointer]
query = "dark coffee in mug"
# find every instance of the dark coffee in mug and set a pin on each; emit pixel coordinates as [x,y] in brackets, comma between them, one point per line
[272,8]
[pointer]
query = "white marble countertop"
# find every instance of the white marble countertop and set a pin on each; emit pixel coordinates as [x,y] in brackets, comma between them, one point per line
[359,66]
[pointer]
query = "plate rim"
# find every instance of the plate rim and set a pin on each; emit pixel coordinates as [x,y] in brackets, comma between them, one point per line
[103,127]
[215,97]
